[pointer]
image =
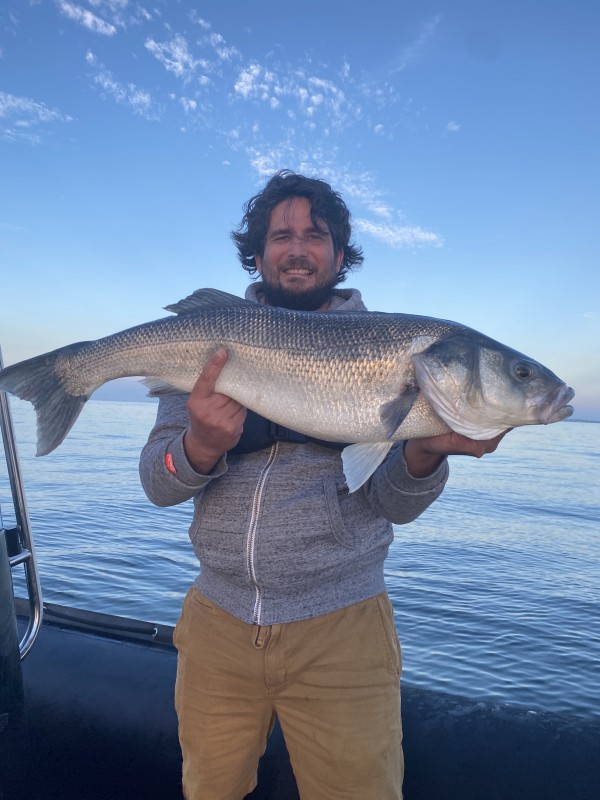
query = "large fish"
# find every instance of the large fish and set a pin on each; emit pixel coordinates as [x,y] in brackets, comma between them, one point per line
[368,378]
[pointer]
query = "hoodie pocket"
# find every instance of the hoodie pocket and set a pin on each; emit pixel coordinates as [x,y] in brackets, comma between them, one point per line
[332,504]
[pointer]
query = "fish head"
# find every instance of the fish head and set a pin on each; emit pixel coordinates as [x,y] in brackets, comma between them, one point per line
[480,388]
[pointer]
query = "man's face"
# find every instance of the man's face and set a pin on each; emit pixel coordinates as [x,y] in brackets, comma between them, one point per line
[299,265]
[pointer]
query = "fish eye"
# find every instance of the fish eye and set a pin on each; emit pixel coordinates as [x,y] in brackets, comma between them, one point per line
[523,371]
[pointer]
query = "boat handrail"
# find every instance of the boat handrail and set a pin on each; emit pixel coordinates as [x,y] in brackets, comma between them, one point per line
[19,539]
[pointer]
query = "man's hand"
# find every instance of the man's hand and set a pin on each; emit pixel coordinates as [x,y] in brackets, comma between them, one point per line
[423,456]
[215,420]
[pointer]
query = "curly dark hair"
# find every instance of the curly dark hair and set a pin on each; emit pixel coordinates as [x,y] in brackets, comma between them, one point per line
[325,204]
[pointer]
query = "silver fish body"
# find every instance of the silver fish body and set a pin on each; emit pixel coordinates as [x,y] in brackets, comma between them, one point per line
[364,377]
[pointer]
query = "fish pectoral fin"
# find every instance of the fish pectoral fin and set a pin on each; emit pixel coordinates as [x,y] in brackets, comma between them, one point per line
[158,388]
[393,414]
[361,460]
[206,298]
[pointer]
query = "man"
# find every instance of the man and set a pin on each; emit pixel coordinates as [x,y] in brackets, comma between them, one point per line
[289,615]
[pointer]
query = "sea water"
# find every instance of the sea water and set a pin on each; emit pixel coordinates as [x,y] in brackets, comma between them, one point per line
[495,587]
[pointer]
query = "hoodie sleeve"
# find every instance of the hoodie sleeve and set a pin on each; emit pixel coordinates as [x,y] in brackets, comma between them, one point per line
[165,472]
[396,495]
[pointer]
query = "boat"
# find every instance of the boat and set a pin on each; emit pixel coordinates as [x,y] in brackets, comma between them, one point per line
[86,711]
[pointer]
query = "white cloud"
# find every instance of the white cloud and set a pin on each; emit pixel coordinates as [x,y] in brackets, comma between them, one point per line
[380,208]
[198,20]
[86,18]
[360,188]
[409,53]
[121,13]
[453,127]
[316,108]
[298,95]
[176,57]
[247,82]
[139,100]
[23,118]
[10,105]
[189,106]
[324,85]
[398,236]
[224,52]
[113,6]
[265,164]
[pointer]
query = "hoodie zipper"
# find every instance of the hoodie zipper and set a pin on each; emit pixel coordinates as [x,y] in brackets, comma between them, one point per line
[252,528]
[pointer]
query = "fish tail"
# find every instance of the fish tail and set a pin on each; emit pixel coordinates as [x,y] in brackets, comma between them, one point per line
[38,381]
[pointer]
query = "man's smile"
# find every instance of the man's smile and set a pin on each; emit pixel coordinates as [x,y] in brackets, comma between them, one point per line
[297,271]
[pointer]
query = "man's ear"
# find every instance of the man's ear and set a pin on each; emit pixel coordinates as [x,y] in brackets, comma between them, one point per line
[258,262]
[338,260]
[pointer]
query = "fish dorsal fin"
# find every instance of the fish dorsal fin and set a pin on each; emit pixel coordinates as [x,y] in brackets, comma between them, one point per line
[206,298]
[361,460]
[394,413]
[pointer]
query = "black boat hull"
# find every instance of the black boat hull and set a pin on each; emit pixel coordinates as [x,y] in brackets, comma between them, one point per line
[102,724]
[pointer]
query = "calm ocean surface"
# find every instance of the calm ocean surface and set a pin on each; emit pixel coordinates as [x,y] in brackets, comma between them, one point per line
[495,587]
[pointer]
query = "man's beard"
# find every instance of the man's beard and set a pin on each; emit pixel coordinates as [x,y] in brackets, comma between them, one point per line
[301,300]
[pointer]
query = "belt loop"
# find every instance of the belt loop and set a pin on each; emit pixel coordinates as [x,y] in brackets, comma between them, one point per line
[262,636]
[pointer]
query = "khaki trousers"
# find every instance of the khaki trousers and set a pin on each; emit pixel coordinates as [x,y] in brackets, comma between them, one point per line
[332,681]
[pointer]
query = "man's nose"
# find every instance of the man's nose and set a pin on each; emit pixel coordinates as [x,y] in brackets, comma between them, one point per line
[297,246]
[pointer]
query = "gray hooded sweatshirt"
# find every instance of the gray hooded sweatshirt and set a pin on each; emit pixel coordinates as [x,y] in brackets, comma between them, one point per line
[278,536]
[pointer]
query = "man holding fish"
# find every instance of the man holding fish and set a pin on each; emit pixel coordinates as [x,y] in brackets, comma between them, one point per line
[313,426]
[289,617]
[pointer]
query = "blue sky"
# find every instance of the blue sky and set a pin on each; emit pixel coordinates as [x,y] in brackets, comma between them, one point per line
[462,135]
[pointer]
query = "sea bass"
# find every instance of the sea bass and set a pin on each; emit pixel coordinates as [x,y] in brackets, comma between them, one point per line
[367,378]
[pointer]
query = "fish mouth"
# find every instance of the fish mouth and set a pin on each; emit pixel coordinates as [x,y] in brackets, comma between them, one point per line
[554,408]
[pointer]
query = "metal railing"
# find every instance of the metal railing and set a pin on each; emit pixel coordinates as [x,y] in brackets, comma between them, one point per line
[19,540]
